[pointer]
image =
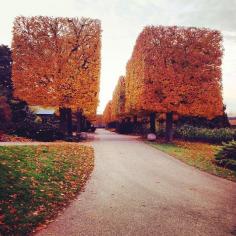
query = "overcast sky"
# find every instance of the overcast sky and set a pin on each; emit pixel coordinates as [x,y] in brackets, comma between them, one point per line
[123,20]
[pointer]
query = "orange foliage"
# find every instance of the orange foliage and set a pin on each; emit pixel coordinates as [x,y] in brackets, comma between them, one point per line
[56,62]
[175,69]
[12,138]
[118,99]
[107,117]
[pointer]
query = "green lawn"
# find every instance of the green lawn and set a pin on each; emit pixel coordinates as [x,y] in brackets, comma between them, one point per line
[200,155]
[37,181]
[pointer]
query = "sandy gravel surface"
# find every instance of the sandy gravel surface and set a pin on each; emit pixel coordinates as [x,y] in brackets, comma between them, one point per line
[138,190]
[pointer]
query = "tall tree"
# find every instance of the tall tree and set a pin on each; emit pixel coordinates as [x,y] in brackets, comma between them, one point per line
[107,113]
[118,99]
[56,62]
[175,70]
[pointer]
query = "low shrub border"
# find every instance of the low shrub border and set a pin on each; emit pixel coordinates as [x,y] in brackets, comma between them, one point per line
[37,181]
[206,135]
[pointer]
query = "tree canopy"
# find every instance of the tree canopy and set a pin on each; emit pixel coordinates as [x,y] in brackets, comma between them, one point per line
[56,62]
[107,116]
[118,99]
[175,69]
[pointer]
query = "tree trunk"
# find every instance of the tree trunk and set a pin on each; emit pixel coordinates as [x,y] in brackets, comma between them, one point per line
[63,127]
[86,124]
[79,116]
[169,127]
[135,119]
[65,121]
[83,123]
[153,122]
[69,121]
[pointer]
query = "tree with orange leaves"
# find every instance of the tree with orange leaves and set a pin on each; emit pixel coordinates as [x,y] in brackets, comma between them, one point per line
[107,116]
[175,70]
[118,99]
[56,62]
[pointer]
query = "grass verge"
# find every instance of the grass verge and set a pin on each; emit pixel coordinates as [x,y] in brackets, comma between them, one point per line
[200,155]
[37,181]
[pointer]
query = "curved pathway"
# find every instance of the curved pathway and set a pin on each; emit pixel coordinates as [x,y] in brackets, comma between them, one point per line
[138,190]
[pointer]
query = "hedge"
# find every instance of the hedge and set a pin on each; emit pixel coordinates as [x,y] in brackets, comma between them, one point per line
[206,135]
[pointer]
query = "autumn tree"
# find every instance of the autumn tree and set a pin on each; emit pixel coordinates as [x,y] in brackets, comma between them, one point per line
[115,108]
[118,99]
[56,62]
[175,70]
[107,113]
[99,122]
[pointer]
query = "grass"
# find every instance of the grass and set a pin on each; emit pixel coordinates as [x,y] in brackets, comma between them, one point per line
[200,155]
[37,181]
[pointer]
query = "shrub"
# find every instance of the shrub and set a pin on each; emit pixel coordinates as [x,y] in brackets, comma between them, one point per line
[160,133]
[226,156]
[124,127]
[36,131]
[206,135]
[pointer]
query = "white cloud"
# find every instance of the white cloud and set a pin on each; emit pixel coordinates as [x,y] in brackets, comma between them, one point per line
[123,20]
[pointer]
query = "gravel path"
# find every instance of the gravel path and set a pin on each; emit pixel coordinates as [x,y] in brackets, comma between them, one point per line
[138,190]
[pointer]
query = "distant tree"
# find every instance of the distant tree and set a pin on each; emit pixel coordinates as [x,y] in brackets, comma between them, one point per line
[99,123]
[107,114]
[5,85]
[5,71]
[118,99]
[175,70]
[56,62]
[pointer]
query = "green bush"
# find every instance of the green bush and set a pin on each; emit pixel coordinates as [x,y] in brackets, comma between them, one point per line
[226,156]
[206,135]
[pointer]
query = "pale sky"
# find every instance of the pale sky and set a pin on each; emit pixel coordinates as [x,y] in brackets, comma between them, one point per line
[123,20]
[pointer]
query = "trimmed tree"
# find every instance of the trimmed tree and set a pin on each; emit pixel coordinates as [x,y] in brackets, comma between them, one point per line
[118,99]
[56,62]
[107,116]
[175,70]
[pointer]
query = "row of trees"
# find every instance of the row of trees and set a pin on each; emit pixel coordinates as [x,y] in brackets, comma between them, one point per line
[172,70]
[56,63]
